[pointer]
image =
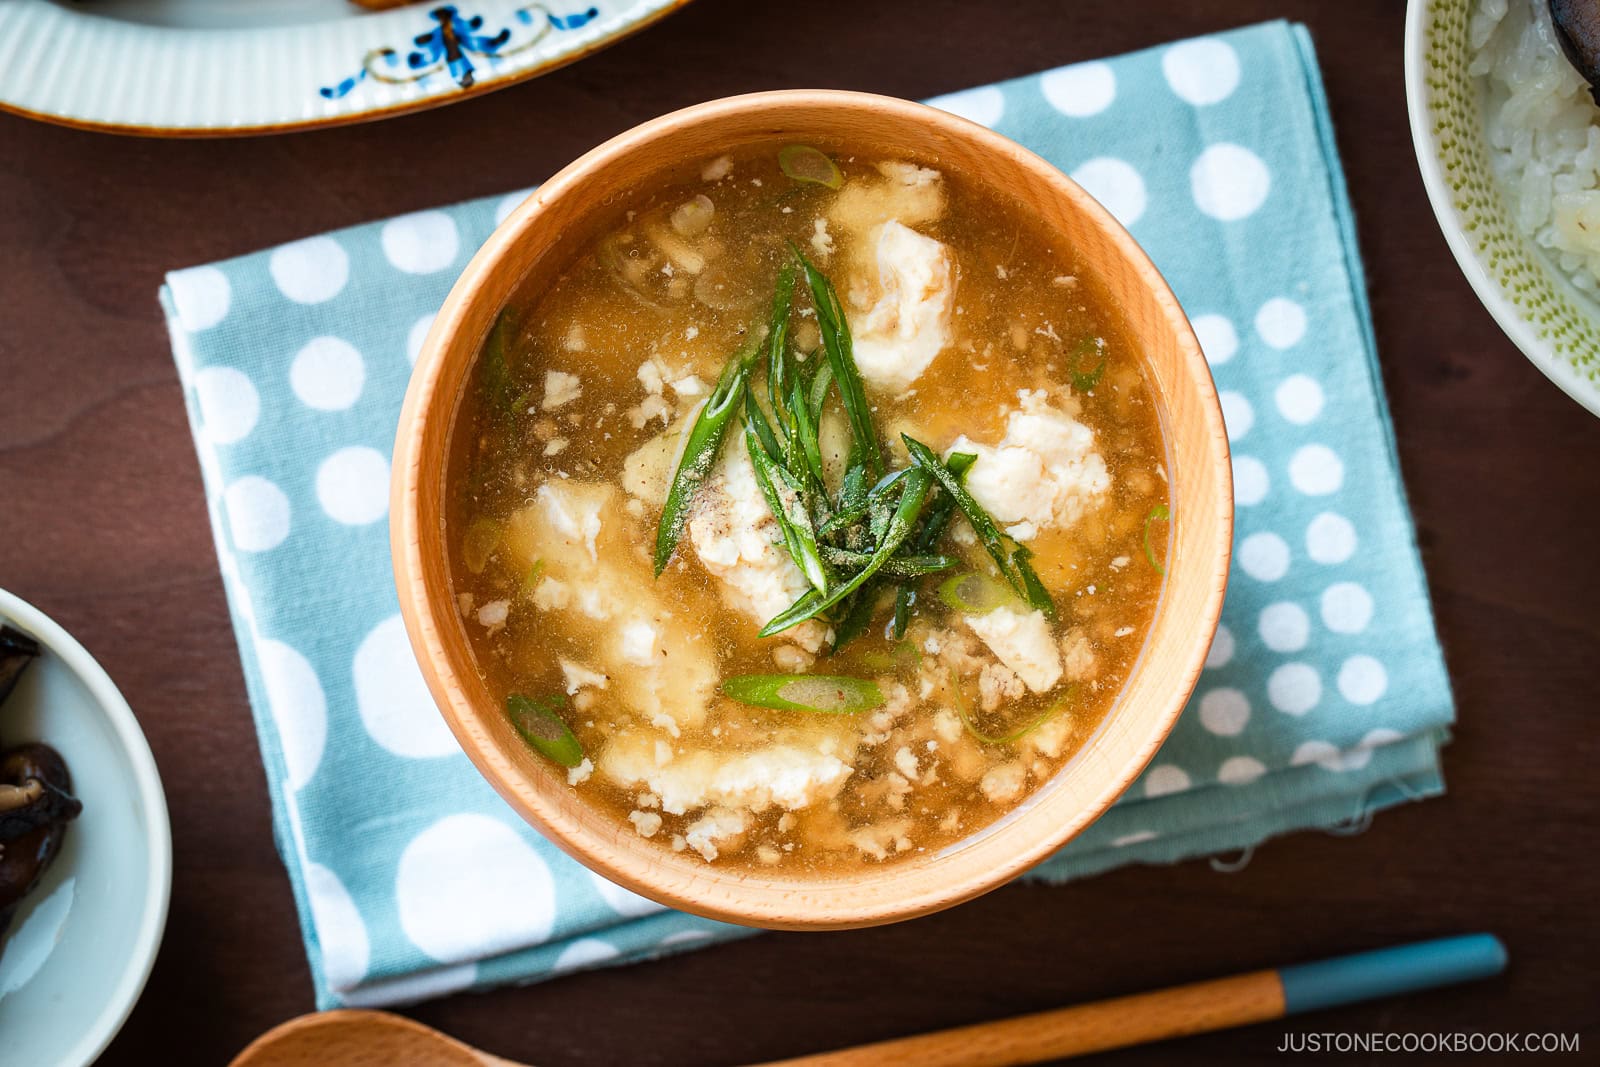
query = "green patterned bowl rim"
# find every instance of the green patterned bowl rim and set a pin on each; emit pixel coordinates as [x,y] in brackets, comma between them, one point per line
[1554,324]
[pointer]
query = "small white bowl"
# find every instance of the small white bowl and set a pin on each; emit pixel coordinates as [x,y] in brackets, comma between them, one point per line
[81,945]
[1554,324]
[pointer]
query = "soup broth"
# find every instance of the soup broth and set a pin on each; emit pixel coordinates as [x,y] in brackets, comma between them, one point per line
[998,585]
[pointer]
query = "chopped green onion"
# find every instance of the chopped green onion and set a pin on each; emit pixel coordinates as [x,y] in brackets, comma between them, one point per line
[479,543]
[1159,513]
[1013,563]
[896,567]
[1033,589]
[778,340]
[828,694]
[903,652]
[820,383]
[835,332]
[976,593]
[756,418]
[1085,380]
[699,456]
[806,164]
[539,721]
[496,379]
[858,611]
[1055,708]
[531,581]
[913,494]
[791,514]
[806,432]
[933,528]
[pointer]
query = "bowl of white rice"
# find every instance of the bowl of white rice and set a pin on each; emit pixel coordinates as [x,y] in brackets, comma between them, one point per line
[1508,139]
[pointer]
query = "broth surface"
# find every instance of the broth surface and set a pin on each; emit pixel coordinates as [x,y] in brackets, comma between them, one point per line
[566,446]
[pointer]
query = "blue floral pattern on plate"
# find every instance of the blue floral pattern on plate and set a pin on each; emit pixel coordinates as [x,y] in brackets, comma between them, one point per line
[448,47]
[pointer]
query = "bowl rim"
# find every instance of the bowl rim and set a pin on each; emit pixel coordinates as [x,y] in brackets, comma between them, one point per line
[158,837]
[826,903]
[1489,293]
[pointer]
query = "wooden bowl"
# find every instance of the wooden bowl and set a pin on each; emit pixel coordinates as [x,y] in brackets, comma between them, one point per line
[542,237]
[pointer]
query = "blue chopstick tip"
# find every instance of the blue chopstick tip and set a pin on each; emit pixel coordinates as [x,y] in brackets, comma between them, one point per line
[1391,971]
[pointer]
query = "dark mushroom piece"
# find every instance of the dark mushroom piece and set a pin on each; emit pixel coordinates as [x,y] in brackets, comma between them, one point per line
[17,650]
[1577,26]
[36,804]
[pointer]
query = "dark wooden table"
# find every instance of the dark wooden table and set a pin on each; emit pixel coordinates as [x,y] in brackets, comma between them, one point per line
[102,524]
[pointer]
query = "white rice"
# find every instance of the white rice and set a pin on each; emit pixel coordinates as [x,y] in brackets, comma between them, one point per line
[1543,131]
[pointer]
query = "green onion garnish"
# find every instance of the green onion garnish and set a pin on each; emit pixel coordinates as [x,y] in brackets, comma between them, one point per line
[531,581]
[699,456]
[1159,513]
[1055,708]
[1085,380]
[903,652]
[496,379]
[828,694]
[835,332]
[479,543]
[1011,561]
[539,721]
[806,164]
[976,593]
[793,519]
[913,493]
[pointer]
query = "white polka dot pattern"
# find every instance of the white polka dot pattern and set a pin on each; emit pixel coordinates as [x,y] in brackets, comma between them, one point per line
[422,243]
[985,105]
[470,886]
[353,485]
[311,271]
[1229,182]
[1116,185]
[393,700]
[1081,90]
[1201,72]
[327,374]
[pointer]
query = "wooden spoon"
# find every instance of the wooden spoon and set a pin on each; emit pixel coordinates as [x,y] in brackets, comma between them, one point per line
[374,1038]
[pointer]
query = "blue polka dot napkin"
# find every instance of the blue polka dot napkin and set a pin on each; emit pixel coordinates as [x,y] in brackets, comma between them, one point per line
[1324,698]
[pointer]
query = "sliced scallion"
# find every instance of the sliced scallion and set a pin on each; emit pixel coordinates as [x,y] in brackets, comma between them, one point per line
[699,456]
[909,566]
[835,332]
[479,543]
[806,164]
[904,652]
[1085,380]
[539,721]
[914,493]
[1012,562]
[793,519]
[1056,707]
[976,593]
[496,376]
[826,694]
[531,580]
[1159,513]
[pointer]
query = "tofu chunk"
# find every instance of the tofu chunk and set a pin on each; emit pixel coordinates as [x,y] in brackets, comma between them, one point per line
[647,472]
[738,541]
[606,593]
[1044,472]
[909,325]
[717,826]
[1023,642]
[789,775]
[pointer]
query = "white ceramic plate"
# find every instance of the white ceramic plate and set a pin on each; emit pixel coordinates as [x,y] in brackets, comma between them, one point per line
[81,945]
[1554,324]
[213,67]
